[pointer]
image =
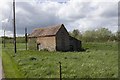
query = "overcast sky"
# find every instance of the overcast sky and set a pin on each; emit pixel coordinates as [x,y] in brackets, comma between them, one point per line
[74,14]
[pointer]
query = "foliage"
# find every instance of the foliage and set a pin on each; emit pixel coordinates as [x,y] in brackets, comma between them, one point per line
[89,36]
[99,35]
[76,34]
[118,35]
[103,34]
[10,39]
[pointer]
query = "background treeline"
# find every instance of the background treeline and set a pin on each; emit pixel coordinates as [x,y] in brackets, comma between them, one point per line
[99,35]
[10,39]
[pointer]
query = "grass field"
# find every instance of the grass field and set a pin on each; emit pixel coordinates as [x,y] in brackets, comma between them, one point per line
[100,60]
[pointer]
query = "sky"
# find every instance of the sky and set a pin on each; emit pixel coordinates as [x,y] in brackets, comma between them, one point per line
[74,14]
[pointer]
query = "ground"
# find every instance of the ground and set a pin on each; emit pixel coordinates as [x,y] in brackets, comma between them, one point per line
[100,60]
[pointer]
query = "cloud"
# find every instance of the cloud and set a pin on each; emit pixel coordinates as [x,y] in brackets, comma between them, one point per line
[4,21]
[75,14]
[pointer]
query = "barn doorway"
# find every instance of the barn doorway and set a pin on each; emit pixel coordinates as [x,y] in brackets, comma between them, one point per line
[39,46]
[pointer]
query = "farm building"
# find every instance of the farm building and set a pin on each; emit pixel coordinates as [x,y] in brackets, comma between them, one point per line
[53,38]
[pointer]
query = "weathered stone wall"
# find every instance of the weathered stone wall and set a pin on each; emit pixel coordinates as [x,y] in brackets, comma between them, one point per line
[48,43]
[62,40]
[75,45]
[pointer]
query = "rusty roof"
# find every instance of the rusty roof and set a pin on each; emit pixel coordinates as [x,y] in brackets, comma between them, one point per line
[47,31]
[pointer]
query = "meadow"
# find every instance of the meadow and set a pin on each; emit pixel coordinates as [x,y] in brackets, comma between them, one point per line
[100,60]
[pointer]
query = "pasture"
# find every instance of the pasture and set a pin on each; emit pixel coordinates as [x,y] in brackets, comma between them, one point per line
[100,60]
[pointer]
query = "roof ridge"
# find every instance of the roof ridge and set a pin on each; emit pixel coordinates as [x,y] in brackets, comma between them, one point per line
[52,26]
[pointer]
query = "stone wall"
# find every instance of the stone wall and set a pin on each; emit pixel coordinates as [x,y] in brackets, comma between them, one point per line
[75,45]
[62,40]
[48,43]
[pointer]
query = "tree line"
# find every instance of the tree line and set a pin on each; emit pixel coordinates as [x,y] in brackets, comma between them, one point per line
[99,35]
[10,39]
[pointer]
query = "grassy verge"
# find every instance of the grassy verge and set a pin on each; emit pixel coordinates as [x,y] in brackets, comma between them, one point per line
[10,68]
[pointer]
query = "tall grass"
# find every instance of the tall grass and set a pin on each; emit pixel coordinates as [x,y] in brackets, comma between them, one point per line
[100,60]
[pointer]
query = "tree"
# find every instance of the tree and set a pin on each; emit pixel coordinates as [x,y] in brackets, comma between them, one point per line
[118,35]
[76,34]
[89,36]
[103,34]
[99,35]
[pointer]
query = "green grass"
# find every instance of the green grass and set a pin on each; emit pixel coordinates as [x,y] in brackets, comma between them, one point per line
[101,46]
[100,60]
[10,68]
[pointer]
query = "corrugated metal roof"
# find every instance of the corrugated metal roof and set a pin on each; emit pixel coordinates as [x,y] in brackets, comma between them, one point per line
[48,31]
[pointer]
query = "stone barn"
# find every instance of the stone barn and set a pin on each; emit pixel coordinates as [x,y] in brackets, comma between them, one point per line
[53,38]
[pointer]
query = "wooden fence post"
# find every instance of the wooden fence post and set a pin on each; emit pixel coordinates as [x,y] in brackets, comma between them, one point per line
[26,37]
[4,38]
[60,71]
